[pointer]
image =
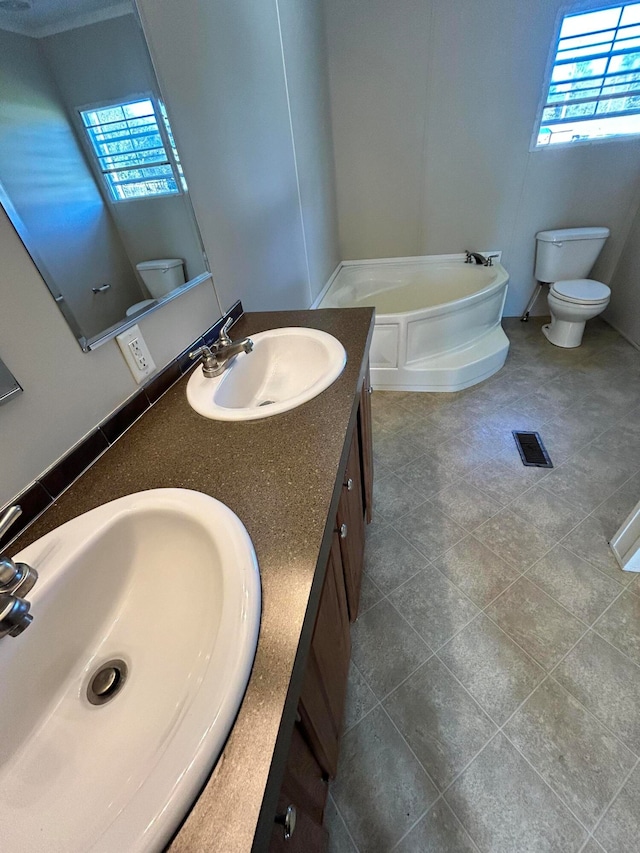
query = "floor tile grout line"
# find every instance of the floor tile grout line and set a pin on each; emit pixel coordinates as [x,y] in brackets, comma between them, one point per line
[482,609]
[501,730]
[551,674]
[424,814]
[613,799]
[363,717]
[410,748]
[623,590]
[344,822]
[547,784]
[564,606]
[613,645]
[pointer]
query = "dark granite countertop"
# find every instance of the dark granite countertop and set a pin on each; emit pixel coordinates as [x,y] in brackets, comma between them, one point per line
[279,476]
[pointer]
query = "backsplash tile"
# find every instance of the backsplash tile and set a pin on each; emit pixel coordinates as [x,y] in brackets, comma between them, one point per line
[121,420]
[162,382]
[69,469]
[33,501]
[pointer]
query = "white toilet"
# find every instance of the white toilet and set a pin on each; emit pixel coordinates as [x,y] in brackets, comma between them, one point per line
[564,258]
[160,278]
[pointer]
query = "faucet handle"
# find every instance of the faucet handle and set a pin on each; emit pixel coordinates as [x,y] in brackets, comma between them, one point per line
[9,516]
[14,615]
[223,337]
[201,351]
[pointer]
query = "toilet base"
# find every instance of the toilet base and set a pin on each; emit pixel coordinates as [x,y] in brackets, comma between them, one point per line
[564,333]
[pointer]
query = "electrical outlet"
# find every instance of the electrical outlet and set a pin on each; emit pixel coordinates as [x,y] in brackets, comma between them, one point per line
[136,353]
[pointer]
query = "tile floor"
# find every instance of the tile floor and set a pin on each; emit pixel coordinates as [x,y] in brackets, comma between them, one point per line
[494,695]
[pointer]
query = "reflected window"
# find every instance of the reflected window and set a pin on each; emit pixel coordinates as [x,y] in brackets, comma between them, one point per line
[594,88]
[134,149]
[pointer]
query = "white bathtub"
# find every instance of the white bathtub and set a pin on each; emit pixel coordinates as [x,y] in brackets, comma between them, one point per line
[437,319]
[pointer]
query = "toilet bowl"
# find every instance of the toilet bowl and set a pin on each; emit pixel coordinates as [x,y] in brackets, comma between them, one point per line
[571,304]
[133,309]
[564,258]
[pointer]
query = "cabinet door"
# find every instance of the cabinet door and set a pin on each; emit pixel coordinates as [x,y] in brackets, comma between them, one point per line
[303,788]
[308,836]
[325,683]
[350,520]
[366,446]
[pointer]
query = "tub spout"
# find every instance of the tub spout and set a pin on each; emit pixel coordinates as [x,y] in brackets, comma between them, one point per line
[476,257]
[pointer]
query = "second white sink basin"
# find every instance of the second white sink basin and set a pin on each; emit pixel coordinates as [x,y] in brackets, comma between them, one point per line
[286,368]
[160,591]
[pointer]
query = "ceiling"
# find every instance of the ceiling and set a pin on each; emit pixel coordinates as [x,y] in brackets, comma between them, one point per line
[45,17]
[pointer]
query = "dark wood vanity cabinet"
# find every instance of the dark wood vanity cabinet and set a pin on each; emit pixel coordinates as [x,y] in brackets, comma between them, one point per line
[350,521]
[321,704]
[365,431]
[303,787]
[313,755]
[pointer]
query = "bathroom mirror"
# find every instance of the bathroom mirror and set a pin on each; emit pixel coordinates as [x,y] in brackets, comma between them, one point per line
[9,385]
[89,171]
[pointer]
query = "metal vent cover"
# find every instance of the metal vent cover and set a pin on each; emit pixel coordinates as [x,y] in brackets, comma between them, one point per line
[531,449]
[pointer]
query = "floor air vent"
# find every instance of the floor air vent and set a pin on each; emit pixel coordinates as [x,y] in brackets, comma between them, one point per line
[531,449]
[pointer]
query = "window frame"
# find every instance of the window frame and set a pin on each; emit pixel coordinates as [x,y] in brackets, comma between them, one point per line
[581,8]
[164,135]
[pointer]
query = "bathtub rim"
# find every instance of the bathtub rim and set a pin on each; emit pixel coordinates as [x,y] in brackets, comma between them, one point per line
[433,310]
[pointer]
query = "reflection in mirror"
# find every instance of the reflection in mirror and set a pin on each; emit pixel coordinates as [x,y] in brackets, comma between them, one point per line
[9,386]
[89,171]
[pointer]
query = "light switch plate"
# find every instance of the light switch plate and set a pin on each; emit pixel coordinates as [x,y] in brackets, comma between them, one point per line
[136,353]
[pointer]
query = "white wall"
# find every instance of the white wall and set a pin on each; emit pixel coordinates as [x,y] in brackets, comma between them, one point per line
[624,308]
[305,54]
[433,105]
[233,124]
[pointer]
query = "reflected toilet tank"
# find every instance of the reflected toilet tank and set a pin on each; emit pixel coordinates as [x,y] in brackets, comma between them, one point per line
[162,276]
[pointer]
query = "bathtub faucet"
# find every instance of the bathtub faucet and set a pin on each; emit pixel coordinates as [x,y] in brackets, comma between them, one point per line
[479,259]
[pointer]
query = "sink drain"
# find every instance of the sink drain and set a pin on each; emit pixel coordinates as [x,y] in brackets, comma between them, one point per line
[107,681]
[266,403]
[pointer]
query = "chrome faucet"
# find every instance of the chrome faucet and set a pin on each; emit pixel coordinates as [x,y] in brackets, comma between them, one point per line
[16,580]
[216,358]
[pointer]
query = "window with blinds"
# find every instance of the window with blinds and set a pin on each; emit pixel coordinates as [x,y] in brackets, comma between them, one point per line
[134,149]
[594,87]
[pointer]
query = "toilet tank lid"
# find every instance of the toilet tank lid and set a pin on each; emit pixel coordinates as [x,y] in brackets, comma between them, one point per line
[161,264]
[560,235]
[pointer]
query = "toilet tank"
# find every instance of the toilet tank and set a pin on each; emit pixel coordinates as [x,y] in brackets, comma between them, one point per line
[567,253]
[162,276]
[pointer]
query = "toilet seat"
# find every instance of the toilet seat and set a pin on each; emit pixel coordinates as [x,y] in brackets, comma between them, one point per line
[133,309]
[581,291]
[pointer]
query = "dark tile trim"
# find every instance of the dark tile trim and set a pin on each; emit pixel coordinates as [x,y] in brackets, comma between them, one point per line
[40,495]
[120,421]
[33,501]
[58,478]
[162,382]
[183,361]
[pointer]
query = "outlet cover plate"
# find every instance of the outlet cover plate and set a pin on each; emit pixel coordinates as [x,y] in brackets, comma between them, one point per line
[136,353]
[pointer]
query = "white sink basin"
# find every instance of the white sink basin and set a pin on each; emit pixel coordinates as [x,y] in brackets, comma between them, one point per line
[167,583]
[287,367]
